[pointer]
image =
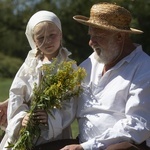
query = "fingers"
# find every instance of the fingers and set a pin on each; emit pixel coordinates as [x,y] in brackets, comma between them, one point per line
[41,116]
[38,116]
[72,147]
[25,120]
[68,147]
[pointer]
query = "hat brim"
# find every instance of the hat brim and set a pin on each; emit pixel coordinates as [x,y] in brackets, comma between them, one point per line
[85,20]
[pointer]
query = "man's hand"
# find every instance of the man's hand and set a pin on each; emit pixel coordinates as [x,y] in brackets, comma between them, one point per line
[72,147]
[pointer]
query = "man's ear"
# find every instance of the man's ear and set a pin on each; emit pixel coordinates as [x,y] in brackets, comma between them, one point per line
[120,36]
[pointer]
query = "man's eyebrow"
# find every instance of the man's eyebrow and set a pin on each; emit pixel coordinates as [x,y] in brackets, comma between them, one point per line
[101,34]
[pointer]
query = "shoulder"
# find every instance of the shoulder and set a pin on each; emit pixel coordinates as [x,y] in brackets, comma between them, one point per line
[141,58]
[88,61]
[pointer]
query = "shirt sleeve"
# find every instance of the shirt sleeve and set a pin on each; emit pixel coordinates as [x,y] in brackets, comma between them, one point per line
[20,96]
[17,105]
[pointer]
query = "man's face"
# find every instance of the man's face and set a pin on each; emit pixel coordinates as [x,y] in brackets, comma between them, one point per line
[104,43]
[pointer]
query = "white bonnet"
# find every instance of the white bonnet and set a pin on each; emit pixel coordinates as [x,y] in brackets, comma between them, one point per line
[38,17]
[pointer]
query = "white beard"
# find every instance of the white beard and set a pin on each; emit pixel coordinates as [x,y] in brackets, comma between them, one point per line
[106,57]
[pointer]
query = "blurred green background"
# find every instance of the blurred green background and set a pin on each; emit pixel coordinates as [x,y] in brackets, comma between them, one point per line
[15,14]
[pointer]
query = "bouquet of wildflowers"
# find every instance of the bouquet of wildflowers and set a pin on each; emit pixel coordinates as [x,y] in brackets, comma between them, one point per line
[60,82]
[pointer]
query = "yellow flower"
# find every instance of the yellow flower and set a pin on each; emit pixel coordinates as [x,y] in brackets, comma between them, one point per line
[60,82]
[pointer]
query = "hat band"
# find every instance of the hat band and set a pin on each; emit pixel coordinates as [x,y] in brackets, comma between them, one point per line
[102,21]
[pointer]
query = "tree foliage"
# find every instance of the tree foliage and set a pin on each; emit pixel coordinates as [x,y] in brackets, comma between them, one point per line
[16,13]
[9,66]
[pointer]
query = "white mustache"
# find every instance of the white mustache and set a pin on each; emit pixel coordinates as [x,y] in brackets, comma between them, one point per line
[98,50]
[95,47]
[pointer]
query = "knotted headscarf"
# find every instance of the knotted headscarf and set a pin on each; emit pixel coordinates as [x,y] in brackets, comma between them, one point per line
[38,17]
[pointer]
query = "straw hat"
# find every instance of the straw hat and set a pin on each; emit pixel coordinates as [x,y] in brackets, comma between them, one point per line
[110,17]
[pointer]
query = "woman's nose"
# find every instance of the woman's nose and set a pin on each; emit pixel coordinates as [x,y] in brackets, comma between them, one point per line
[48,39]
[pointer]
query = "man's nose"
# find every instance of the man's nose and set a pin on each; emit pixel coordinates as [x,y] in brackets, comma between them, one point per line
[92,40]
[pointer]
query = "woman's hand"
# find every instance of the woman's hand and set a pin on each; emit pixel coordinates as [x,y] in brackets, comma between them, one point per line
[25,120]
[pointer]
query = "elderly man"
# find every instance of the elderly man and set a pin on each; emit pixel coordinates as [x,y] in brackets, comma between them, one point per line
[114,109]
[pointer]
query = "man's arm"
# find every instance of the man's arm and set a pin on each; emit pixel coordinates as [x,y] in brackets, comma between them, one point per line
[72,147]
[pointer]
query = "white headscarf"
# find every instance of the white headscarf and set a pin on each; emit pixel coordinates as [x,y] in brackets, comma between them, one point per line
[31,61]
[38,17]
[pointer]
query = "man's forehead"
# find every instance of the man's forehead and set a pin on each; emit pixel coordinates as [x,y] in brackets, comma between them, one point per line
[99,31]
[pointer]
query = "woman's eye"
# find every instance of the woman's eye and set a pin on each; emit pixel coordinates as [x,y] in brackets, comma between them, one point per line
[51,35]
[40,38]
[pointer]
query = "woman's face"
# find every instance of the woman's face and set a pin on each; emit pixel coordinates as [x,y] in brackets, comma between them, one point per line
[47,38]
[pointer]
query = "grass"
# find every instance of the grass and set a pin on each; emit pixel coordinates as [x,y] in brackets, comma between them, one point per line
[4,88]
[74,127]
[4,91]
